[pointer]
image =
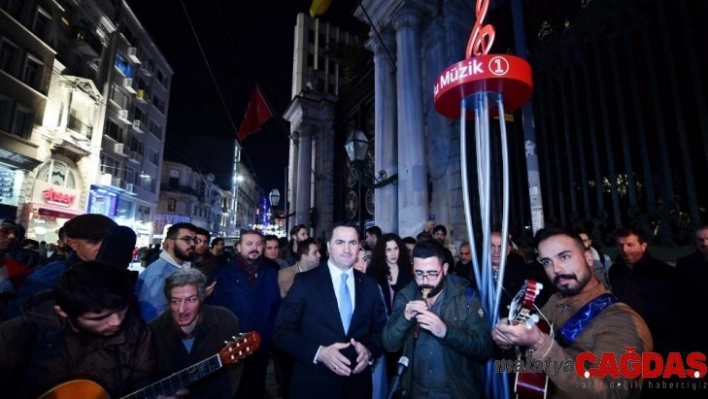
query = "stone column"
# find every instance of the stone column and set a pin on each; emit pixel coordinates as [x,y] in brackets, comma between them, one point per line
[304,176]
[412,171]
[290,199]
[385,153]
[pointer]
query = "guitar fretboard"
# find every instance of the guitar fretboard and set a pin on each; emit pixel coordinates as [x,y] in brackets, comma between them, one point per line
[169,385]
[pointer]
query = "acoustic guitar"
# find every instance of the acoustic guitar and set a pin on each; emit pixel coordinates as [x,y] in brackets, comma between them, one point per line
[233,352]
[528,385]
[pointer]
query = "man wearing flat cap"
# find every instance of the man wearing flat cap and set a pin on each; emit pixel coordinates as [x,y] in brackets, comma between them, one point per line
[84,236]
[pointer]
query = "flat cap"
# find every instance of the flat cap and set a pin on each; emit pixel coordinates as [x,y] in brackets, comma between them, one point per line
[90,226]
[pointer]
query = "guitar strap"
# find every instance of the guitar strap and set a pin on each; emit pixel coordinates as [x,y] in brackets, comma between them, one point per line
[567,334]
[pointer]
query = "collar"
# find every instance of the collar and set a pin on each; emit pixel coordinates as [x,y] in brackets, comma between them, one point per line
[573,303]
[334,271]
[169,259]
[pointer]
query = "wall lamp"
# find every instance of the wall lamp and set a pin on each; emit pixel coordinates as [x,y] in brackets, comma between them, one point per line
[356,146]
[274,198]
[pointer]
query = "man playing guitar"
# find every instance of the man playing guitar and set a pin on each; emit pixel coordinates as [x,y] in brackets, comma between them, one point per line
[601,323]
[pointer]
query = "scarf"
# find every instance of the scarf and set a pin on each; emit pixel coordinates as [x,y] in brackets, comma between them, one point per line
[251,269]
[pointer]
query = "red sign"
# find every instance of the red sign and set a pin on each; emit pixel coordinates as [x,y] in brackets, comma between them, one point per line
[481,72]
[52,196]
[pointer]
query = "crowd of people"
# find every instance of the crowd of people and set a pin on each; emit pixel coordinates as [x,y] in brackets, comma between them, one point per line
[371,316]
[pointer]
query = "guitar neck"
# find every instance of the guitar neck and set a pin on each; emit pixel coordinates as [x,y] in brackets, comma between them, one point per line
[169,385]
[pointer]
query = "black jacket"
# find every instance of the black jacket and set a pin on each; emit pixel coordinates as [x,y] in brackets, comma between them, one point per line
[39,350]
[648,288]
[216,326]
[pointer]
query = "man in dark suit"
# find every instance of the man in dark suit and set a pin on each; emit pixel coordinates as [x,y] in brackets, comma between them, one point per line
[331,322]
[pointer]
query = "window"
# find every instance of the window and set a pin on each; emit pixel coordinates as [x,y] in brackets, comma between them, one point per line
[8,53]
[130,175]
[22,125]
[124,67]
[42,24]
[109,165]
[113,131]
[138,114]
[156,130]
[5,113]
[136,145]
[32,74]
[159,104]
[57,173]
[159,75]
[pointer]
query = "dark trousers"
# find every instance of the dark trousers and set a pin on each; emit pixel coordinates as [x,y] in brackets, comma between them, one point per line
[283,364]
[253,379]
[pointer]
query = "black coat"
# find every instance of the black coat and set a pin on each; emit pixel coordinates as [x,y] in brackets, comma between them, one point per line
[648,288]
[216,326]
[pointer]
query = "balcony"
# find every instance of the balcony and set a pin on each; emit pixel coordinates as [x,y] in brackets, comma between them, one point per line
[85,42]
[84,130]
[139,126]
[135,157]
[141,96]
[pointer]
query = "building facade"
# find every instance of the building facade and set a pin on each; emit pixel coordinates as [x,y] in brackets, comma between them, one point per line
[85,97]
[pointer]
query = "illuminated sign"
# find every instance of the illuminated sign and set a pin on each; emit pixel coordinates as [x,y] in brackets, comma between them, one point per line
[55,197]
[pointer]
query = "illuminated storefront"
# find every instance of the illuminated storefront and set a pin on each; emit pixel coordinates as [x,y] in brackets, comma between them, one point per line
[56,198]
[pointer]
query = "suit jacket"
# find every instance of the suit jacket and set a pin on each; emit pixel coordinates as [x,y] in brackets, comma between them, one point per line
[309,317]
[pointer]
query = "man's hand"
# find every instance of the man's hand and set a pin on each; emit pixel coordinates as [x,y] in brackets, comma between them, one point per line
[507,335]
[334,360]
[362,356]
[209,289]
[413,308]
[431,322]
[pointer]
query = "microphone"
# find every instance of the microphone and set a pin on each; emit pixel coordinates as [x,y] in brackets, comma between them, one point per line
[396,381]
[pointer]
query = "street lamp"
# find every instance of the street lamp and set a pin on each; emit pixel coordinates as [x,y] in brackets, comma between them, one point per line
[357,146]
[274,197]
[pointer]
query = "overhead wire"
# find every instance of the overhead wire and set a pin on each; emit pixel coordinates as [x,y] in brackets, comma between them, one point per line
[216,85]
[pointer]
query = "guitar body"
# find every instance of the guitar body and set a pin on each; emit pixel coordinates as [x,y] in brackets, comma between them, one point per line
[235,351]
[529,385]
[532,385]
[84,389]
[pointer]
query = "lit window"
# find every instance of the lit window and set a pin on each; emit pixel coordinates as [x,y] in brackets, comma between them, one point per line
[57,173]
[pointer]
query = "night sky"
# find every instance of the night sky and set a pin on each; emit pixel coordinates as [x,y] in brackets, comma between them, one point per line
[245,43]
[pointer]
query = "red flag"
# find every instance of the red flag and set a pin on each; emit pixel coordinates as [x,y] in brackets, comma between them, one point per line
[256,114]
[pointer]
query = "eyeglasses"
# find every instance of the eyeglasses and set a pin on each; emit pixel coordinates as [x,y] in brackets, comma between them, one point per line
[189,240]
[429,273]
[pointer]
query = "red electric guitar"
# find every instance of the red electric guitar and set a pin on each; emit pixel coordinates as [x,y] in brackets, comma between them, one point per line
[529,385]
[233,352]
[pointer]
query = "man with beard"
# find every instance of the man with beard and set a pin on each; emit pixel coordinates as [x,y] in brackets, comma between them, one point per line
[86,328]
[193,331]
[440,324]
[609,326]
[249,288]
[178,253]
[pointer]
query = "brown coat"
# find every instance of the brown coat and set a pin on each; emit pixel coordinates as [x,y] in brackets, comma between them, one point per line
[613,330]
[286,276]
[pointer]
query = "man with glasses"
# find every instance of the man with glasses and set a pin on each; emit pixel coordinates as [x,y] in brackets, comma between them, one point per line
[179,244]
[446,329]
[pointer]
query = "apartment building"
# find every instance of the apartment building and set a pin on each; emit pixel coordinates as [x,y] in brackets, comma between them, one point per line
[84,94]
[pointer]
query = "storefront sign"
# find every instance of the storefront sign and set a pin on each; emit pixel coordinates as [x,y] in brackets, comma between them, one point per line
[56,197]
[50,194]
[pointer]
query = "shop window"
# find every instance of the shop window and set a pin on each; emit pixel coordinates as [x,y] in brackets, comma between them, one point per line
[57,173]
